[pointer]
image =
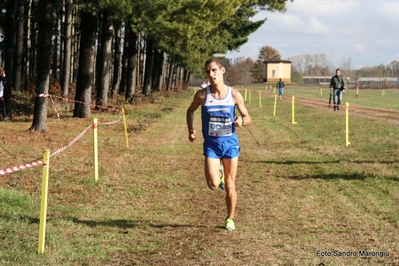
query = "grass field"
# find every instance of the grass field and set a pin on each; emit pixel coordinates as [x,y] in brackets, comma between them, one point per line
[304,197]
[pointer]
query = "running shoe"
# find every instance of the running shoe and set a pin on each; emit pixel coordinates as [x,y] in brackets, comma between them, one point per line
[230,225]
[221,170]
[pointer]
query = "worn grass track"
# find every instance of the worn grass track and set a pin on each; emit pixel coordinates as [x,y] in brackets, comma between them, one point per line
[302,192]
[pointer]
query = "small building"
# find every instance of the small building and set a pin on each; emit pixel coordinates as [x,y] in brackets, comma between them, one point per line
[378,82]
[316,80]
[273,70]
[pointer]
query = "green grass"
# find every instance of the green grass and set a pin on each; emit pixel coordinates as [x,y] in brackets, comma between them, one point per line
[300,188]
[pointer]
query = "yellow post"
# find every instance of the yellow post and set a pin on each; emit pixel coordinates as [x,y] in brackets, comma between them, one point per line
[260,99]
[245,95]
[43,205]
[347,124]
[321,91]
[95,124]
[125,126]
[275,104]
[293,110]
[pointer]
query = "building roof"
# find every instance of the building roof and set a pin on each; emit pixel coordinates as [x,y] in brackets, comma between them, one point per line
[277,61]
[378,79]
[316,77]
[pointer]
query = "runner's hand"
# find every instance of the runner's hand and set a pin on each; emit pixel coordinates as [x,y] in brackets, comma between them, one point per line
[191,135]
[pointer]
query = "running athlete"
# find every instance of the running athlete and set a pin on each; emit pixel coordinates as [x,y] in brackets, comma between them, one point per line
[219,122]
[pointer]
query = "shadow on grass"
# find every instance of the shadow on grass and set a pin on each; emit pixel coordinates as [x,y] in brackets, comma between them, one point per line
[324,162]
[123,223]
[330,177]
[339,176]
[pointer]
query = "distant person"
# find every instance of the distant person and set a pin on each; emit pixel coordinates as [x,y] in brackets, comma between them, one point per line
[337,86]
[280,87]
[219,122]
[3,81]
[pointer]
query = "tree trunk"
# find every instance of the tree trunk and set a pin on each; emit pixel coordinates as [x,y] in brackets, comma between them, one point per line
[131,65]
[9,48]
[74,46]
[67,49]
[170,75]
[45,14]
[33,54]
[105,58]
[116,80]
[28,45]
[149,64]
[186,78]
[157,73]
[20,45]
[86,62]
[54,67]
[122,88]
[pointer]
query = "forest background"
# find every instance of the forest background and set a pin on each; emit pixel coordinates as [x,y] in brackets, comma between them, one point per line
[95,50]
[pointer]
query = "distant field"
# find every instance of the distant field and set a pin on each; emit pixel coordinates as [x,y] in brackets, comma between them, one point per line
[304,197]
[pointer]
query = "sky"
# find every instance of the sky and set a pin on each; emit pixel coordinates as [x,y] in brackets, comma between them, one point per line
[364,31]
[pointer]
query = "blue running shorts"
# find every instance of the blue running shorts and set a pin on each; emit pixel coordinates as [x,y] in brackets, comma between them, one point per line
[225,149]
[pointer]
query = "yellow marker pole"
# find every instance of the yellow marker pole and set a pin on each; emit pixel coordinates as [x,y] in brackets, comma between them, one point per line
[125,126]
[275,104]
[293,110]
[245,95]
[347,124]
[260,99]
[321,91]
[43,205]
[95,121]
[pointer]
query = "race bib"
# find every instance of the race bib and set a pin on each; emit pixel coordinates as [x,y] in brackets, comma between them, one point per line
[220,126]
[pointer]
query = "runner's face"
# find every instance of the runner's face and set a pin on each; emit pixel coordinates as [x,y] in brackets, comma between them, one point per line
[338,73]
[214,73]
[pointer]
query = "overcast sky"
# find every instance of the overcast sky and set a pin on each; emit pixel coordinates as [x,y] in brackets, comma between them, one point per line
[367,31]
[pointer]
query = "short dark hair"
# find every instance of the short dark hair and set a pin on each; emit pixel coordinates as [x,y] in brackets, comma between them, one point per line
[216,60]
[337,70]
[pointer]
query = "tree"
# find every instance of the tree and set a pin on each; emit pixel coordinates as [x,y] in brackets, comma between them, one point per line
[266,53]
[45,20]
[19,44]
[86,63]
[244,67]
[107,32]
[131,54]
[314,65]
[116,81]
[149,65]
[66,69]
[232,75]
[9,47]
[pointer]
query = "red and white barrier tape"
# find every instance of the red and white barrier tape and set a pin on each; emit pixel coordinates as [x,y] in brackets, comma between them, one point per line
[71,100]
[21,167]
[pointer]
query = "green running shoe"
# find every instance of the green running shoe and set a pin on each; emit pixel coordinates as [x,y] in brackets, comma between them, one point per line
[230,225]
[221,170]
